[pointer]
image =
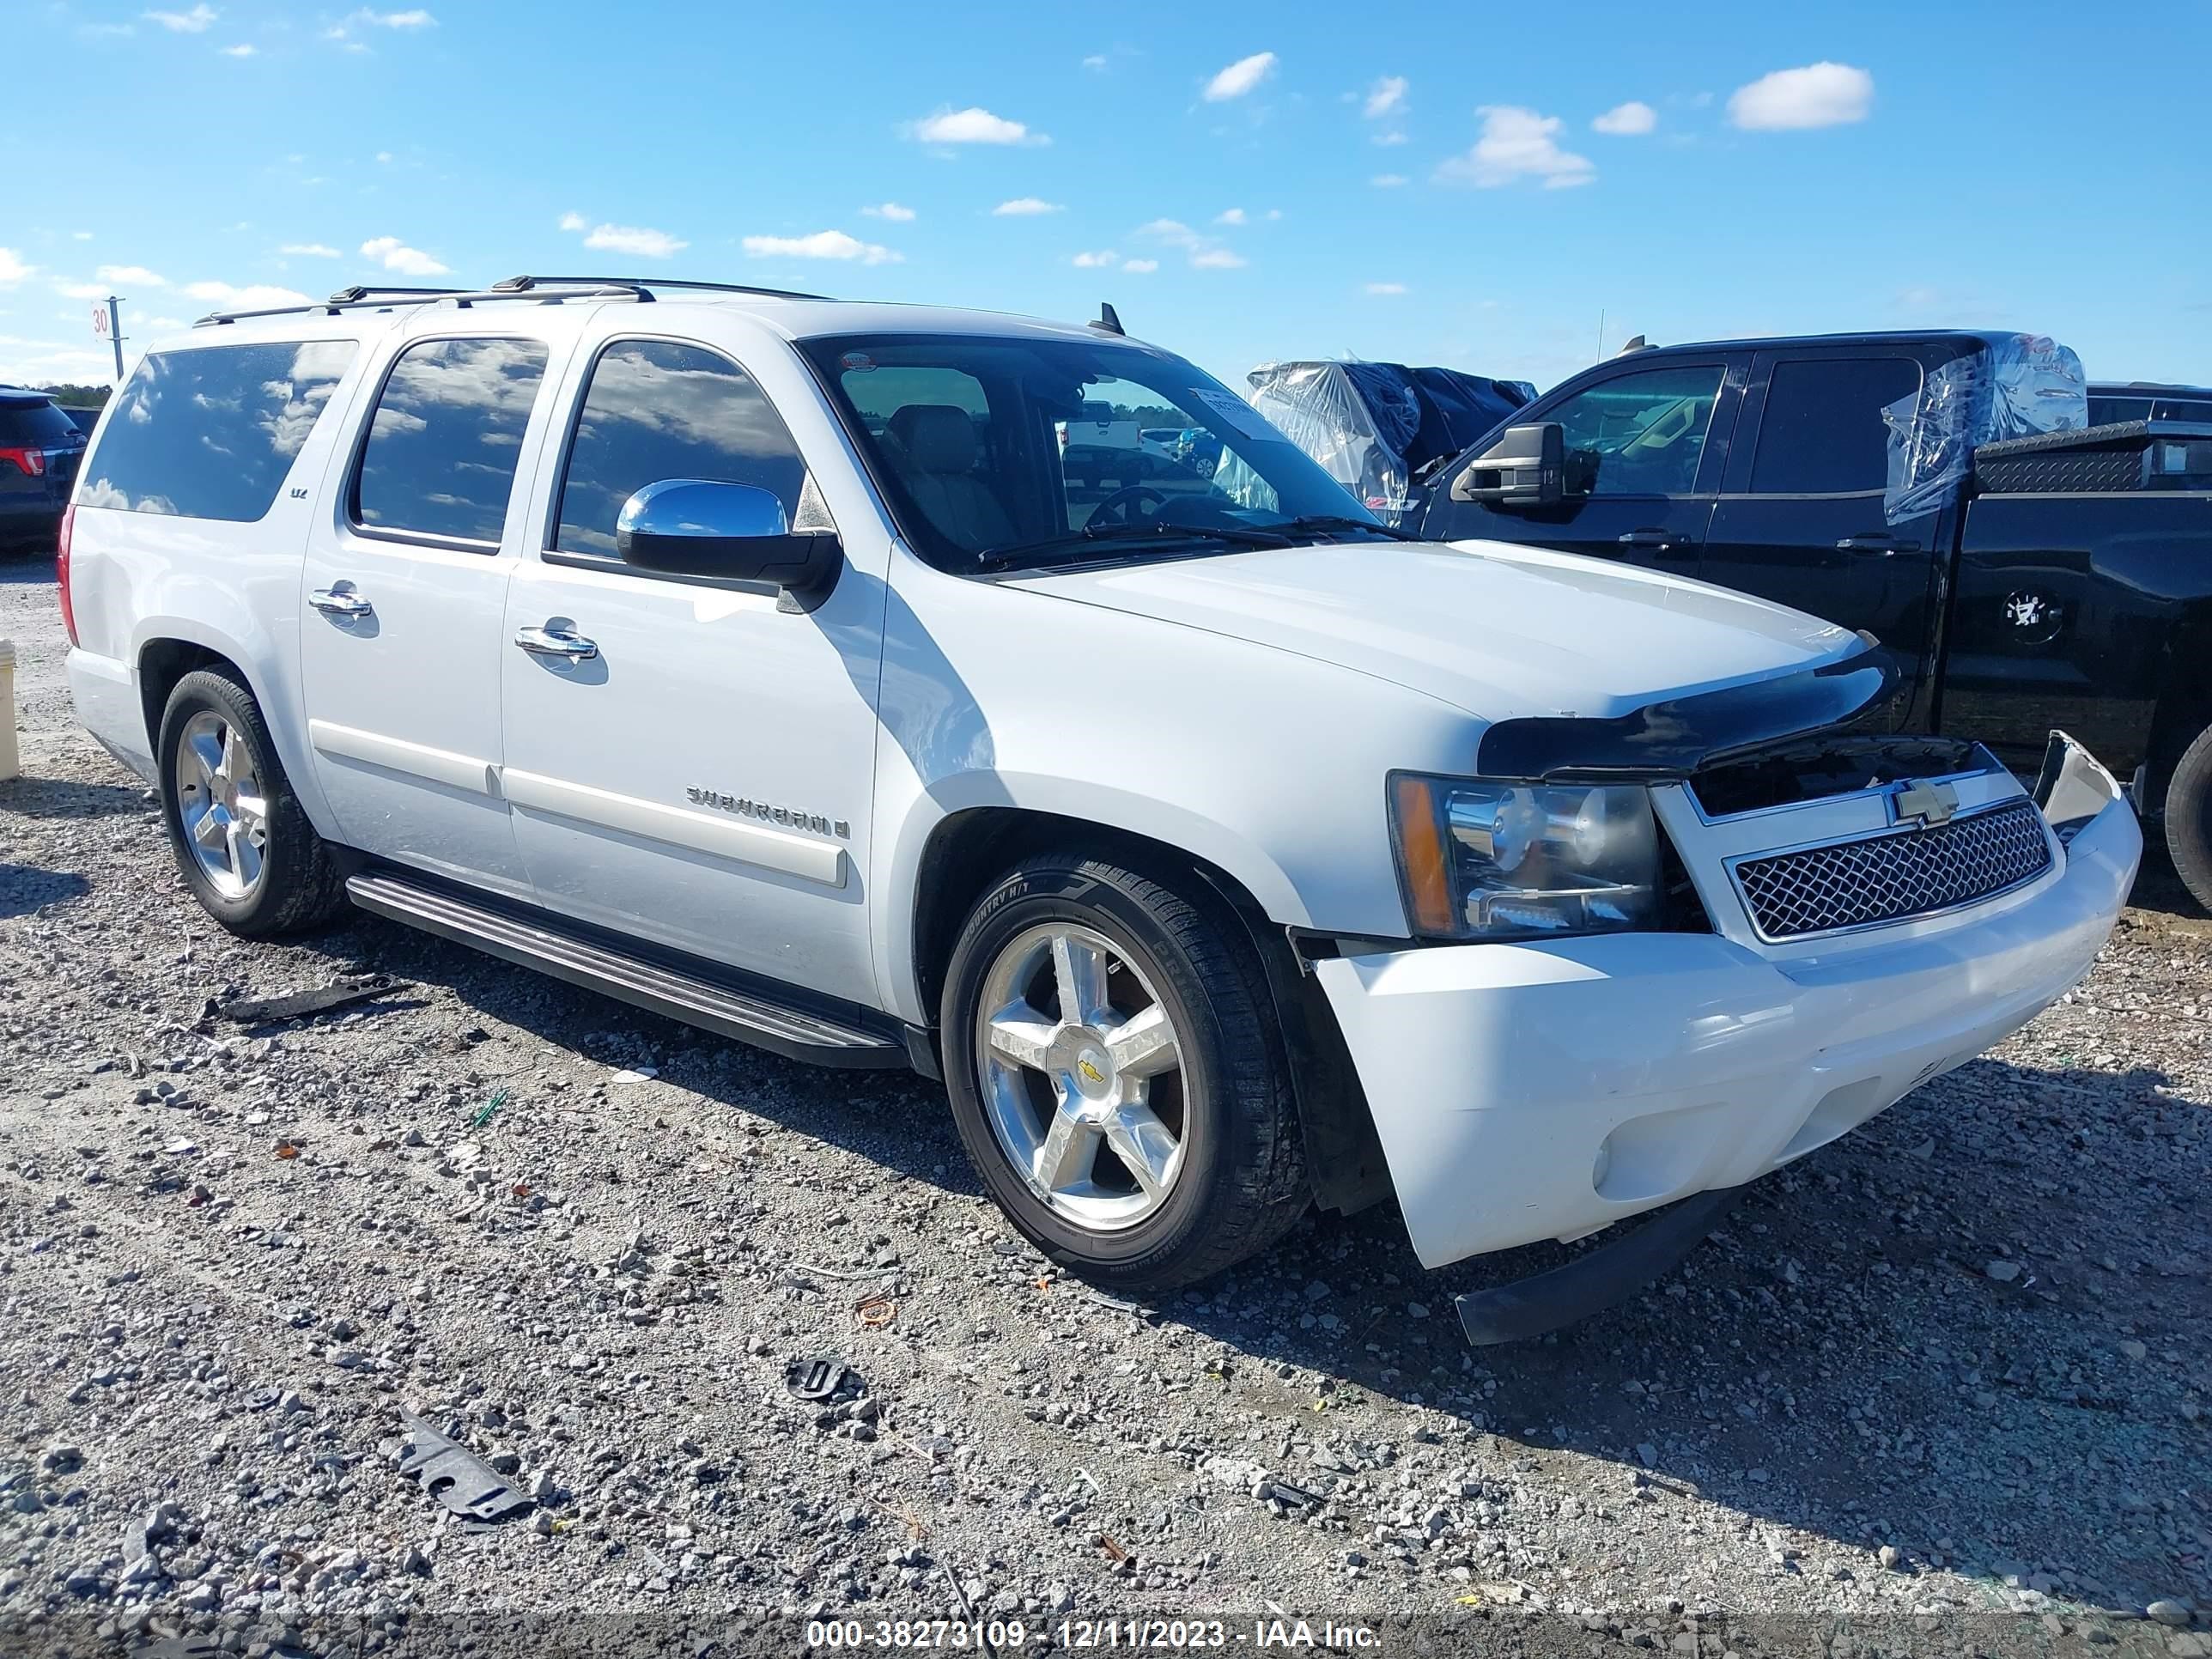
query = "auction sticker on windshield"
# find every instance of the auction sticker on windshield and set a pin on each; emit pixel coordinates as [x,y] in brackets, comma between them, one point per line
[1238,413]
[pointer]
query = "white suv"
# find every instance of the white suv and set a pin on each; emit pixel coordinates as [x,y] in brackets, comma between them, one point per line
[756,659]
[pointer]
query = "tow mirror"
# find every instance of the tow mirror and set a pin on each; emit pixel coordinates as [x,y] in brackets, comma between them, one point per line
[727,532]
[1527,467]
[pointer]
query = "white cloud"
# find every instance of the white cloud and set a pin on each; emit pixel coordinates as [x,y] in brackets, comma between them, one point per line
[1386,288]
[241,50]
[973,126]
[81,290]
[573,222]
[308,251]
[254,297]
[1517,143]
[1387,139]
[1095,61]
[1173,232]
[1390,180]
[383,156]
[1230,216]
[1627,120]
[13,270]
[1384,97]
[1026,207]
[1218,258]
[395,255]
[80,235]
[417,19]
[1102,259]
[1240,77]
[1822,94]
[822,245]
[897,214]
[135,275]
[198,20]
[634,238]
[1141,267]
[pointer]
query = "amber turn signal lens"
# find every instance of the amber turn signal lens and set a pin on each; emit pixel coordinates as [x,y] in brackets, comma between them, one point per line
[1421,855]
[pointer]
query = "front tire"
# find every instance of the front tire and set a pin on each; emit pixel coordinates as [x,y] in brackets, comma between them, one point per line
[242,841]
[2188,818]
[1115,1077]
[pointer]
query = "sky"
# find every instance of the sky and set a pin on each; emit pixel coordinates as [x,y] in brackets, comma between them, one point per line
[1512,191]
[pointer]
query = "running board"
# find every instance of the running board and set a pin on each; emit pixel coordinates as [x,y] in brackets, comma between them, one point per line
[745,1016]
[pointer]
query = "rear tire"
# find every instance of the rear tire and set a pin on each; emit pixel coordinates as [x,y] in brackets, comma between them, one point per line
[2188,818]
[242,841]
[1141,1128]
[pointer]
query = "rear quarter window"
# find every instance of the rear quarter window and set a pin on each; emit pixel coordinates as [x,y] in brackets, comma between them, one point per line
[30,424]
[212,432]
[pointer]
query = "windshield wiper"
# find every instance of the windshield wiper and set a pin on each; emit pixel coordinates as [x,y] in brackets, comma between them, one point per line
[1143,529]
[1322,522]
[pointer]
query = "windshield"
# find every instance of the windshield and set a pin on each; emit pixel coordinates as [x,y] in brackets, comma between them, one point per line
[1000,453]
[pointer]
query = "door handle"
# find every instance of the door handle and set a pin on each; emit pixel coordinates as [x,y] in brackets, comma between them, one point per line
[340,601]
[1660,541]
[1888,546]
[556,642]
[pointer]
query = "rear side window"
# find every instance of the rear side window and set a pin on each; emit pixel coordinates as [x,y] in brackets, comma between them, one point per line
[1822,434]
[657,410]
[28,425]
[212,434]
[443,444]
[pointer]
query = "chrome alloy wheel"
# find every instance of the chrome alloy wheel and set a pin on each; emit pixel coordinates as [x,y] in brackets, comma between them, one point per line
[220,805]
[1082,1076]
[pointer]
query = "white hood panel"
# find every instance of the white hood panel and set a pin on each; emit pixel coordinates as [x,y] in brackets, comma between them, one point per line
[1501,631]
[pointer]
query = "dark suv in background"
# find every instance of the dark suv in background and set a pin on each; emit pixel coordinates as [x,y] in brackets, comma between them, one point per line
[40,449]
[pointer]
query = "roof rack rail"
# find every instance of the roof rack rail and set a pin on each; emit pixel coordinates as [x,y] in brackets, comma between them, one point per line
[357,294]
[542,291]
[523,284]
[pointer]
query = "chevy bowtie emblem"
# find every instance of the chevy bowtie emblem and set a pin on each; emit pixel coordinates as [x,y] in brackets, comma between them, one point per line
[1090,1071]
[1924,803]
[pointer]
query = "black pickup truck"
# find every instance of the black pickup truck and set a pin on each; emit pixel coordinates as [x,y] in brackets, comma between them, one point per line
[2060,579]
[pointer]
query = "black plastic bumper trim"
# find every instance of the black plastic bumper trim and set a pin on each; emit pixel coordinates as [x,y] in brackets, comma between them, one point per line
[1595,1280]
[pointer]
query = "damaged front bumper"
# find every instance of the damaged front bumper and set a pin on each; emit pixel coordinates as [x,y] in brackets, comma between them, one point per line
[1547,1090]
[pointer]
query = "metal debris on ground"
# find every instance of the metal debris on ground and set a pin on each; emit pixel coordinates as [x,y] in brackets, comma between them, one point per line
[1136,1309]
[456,1476]
[873,1313]
[260,1011]
[843,1273]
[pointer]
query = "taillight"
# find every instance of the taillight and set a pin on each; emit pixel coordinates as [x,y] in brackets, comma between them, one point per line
[62,571]
[30,461]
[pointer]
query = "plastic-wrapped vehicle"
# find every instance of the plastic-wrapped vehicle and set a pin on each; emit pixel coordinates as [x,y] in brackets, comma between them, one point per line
[1373,427]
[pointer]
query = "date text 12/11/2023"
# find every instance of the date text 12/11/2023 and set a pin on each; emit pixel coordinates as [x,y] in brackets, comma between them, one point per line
[995,1635]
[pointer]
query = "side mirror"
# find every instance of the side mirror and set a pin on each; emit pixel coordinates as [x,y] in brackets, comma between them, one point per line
[729,531]
[1526,467]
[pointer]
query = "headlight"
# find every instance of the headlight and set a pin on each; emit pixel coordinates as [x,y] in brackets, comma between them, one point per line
[1486,860]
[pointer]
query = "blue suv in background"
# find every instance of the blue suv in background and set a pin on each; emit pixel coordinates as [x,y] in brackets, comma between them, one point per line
[40,448]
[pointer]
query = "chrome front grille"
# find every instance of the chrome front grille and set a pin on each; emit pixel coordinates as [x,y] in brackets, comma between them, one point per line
[1890,877]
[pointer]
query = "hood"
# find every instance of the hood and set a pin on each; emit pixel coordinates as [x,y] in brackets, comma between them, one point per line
[1503,632]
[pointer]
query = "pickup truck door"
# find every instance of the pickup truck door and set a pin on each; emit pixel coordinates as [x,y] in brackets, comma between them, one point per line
[691,761]
[404,593]
[1645,452]
[1800,518]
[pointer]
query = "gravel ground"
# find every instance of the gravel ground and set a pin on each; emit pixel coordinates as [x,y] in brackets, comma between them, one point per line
[1955,1364]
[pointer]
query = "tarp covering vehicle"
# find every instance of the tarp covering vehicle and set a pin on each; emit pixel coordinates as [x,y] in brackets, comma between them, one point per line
[1373,427]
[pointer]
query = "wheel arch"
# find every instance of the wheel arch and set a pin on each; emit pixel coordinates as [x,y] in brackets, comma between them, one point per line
[969,850]
[168,647]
